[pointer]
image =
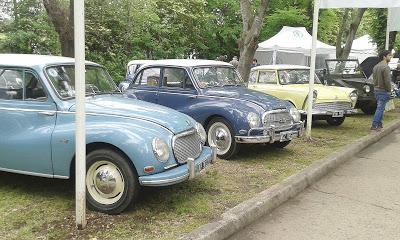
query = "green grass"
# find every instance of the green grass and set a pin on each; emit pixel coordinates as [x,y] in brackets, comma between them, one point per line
[36,208]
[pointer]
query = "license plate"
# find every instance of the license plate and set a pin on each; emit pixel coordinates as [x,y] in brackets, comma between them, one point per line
[338,114]
[285,136]
[201,166]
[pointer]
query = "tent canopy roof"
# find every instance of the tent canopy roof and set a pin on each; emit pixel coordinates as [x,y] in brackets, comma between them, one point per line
[364,44]
[294,39]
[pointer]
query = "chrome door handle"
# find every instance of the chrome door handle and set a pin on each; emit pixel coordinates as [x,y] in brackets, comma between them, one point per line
[47,113]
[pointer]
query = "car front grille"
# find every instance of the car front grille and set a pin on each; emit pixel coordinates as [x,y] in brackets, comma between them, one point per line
[187,145]
[333,106]
[280,120]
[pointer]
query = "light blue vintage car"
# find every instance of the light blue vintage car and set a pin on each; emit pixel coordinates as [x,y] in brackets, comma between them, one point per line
[130,143]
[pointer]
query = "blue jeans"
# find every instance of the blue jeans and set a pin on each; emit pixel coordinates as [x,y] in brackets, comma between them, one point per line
[382,97]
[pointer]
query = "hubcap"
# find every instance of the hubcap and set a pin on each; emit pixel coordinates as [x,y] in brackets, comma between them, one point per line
[105,182]
[220,136]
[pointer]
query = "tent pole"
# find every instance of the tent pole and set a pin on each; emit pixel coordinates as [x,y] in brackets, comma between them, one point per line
[387,31]
[80,136]
[312,67]
[274,57]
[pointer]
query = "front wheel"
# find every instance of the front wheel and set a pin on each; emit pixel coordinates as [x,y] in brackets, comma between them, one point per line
[368,109]
[335,121]
[220,134]
[111,183]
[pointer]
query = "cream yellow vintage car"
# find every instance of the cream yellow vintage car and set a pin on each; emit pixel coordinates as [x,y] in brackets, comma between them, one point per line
[290,82]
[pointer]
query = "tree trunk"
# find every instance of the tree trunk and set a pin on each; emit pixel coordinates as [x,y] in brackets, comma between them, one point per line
[252,23]
[348,33]
[63,21]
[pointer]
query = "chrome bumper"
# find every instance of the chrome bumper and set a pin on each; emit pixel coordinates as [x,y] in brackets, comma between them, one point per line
[272,135]
[333,113]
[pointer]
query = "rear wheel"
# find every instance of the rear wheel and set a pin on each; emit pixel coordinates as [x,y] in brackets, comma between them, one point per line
[111,183]
[335,121]
[220,134]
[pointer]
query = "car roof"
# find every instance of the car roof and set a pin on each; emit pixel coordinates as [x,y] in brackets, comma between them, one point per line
[188,62]
[279,67]
[140,62]
[31,60]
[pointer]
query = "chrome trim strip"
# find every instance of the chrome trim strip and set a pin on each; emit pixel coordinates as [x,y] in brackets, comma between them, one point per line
[170,166]
[33,174]
[27,110]
[157,183]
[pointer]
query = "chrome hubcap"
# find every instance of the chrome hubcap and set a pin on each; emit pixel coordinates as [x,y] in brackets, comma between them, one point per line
[105,182]
[220,136]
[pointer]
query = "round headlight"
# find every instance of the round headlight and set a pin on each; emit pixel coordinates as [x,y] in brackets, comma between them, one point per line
[367,89]
[353,96]
[295,114]
[160,149]
[200,130]
[254,120]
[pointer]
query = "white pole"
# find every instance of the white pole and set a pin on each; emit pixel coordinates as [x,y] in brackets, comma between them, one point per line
[80,137]
[274,53]
[312,69]
[387,30]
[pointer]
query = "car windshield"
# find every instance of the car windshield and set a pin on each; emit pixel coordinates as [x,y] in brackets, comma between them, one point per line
[98,81]
[343,67]
[217,76]
[296,76]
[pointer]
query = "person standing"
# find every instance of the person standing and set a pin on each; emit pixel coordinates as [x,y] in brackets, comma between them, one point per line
[255,63]
[234,62]
[382,87]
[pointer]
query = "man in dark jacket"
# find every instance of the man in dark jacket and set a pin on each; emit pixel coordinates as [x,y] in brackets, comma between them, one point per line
[382,86]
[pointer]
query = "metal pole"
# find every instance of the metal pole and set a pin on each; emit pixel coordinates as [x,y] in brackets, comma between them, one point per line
[312,67]
[80,137]
[387,30]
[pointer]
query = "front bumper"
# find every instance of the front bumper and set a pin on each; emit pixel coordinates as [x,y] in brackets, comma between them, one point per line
[330,113]
[272,135]
[181,173]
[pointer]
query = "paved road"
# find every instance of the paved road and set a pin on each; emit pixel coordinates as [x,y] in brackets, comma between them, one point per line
[359,200]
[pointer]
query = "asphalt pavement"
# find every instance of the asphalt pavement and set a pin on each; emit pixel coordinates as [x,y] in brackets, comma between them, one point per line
[358,200]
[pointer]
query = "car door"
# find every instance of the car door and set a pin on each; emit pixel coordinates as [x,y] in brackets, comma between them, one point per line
[177,90]
[27,122]
[146,84]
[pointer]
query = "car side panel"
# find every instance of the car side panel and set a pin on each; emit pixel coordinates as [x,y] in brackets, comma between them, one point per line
[133,137]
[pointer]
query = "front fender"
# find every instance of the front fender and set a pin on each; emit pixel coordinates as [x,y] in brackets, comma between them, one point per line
[234,111]
[133,137]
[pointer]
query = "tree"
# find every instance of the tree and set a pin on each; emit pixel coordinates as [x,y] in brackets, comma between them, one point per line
[61,14]
[347,31]
[377,22]
[252,21]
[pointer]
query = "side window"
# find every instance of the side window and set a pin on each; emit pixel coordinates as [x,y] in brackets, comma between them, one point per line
[268,77]
[253,77]
[177,78]
[132,69]
[20,85]
[148,77]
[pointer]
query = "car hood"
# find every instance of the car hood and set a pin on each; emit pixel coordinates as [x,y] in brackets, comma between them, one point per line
[119,106]
[266,101]
[324,92]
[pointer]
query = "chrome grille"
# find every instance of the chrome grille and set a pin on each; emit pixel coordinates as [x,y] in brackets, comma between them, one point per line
[280,120]
[187,145]
[333,106]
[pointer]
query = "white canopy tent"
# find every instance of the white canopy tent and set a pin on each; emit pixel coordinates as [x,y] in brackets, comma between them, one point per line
[292,45]
[393,25]
[362,48]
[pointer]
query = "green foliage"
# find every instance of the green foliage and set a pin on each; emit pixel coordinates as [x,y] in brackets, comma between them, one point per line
[30,31]
[377,21]
[291,16]
[328,26]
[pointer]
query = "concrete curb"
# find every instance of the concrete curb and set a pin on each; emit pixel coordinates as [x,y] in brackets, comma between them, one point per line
[263,203]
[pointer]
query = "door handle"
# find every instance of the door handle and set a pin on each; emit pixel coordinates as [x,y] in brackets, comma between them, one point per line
[192,96]
[47,113]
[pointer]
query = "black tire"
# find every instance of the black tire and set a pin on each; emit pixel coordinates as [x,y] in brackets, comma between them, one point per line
[234,147]
[107,157]
[335,121]
[368,109]
[280,144]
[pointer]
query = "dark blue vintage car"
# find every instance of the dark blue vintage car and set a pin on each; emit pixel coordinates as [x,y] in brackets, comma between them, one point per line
[213,93]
